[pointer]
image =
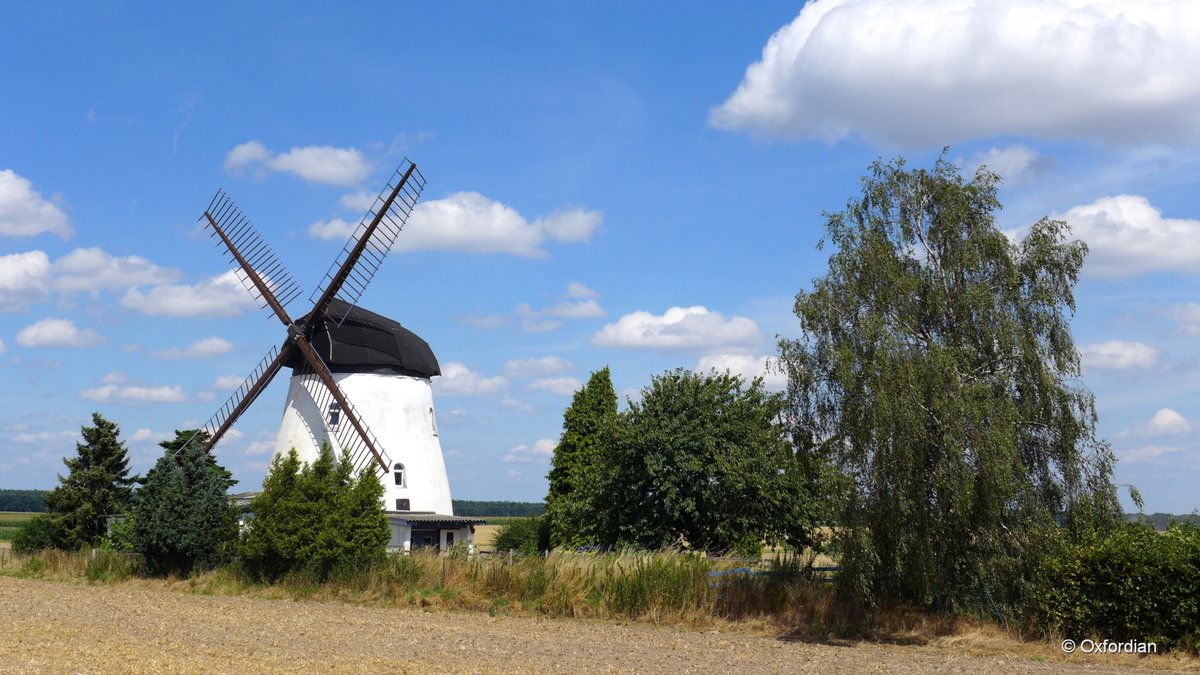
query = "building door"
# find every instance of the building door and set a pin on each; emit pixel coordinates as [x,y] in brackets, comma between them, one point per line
[422,538]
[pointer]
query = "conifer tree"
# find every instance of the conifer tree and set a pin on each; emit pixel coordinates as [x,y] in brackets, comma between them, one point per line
[575,464]
[317,518]
[182,518]
[97,485]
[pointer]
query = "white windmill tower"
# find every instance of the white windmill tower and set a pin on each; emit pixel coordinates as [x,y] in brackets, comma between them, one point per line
[360,381]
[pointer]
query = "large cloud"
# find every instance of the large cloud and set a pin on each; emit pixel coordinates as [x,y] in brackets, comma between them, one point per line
[470,222]
[25,213]
[57,333]
[1127,236]
[219,296]
[1118,355]
[314,163]
[749,367]
[921,72]
[135,394]
[457,378]
[24,279]
[678,328]
[93,270]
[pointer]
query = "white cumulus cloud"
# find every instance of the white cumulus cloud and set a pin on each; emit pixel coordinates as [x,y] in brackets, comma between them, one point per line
[93,270]
[25,278]
[1165,422]
[543,366]
[678,328]
[1118,355]
[219,296]
[921,72]
[457,378]
[25,213]
[200,349]
[136,394]
[57,333]
[541,450]
[228,382]
[471,223]
[1146,453]
[1127,236]
[314,163]
[749,367]
[563,386]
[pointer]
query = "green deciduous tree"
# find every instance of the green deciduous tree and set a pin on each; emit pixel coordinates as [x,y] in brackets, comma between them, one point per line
[938,372]
[575,464]
[182,518]
[703,462]
[97,485]
[316,518]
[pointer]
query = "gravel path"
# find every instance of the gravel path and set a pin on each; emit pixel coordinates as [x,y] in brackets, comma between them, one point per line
[58,627]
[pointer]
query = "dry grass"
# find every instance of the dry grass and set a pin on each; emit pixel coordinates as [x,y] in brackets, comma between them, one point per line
[662,588]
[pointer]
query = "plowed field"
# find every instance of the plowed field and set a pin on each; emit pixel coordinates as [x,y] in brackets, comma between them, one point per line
[59,627]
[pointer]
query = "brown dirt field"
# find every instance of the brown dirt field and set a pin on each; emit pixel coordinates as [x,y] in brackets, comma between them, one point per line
[137,627]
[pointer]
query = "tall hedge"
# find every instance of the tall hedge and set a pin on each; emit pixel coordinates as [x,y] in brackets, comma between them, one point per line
[1133,584]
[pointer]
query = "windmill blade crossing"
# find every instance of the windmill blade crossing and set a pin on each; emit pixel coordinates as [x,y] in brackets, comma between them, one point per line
[362,256]
[255,264]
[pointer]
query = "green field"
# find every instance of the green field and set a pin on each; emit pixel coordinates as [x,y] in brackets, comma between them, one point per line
[11,521]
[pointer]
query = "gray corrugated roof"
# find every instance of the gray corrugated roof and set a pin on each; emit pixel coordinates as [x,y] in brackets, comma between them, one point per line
[435,518]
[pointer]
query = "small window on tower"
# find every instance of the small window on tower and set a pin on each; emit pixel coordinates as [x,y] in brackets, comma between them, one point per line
[402,505]
[335,415]
[399,474]
[433,421]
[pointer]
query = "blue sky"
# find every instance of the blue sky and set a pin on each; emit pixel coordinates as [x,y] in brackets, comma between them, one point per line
[626,184]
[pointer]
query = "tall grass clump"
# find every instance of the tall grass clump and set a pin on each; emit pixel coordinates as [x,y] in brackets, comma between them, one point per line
[654,585]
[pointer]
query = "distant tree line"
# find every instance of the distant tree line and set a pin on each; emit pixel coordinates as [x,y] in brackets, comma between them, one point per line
[26,501]
[467,507]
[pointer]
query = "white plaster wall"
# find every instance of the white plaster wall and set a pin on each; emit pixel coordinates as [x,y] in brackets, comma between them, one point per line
[399,410]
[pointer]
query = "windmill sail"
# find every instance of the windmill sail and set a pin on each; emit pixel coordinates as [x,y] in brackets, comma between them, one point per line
[362,256]
[242,397]
[242,244]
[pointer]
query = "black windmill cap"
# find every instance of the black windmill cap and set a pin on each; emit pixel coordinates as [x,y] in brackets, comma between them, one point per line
[365,342]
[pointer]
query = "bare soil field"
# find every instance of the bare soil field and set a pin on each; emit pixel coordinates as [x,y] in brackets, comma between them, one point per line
[143,627]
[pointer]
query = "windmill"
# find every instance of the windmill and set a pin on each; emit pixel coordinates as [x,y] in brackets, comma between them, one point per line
[355,373]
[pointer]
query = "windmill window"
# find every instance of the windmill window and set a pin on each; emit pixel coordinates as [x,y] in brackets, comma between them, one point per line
[433,422]
[399,474]
[335,415]
[402,505]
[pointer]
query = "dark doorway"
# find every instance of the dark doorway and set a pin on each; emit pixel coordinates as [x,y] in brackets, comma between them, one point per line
[423,538]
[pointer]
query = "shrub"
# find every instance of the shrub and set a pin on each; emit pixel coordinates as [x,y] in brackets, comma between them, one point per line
[523,536]
[36,534]
[312,520]
[1133,584]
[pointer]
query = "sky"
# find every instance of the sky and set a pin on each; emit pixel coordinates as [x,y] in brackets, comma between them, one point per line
[637,185]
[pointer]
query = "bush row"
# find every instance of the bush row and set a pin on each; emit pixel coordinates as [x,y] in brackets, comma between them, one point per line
[1132,584]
